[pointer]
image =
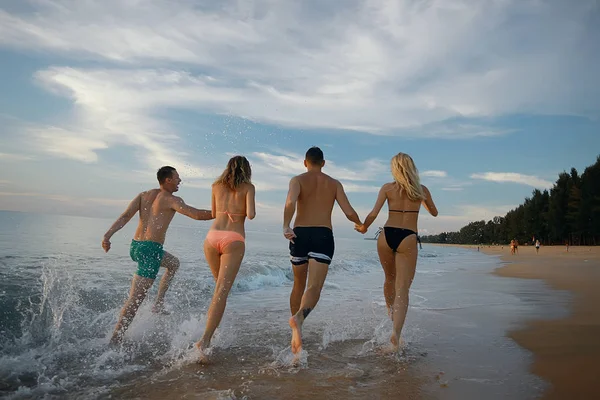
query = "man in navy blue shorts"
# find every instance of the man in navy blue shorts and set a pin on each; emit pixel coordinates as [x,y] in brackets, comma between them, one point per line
[311,196]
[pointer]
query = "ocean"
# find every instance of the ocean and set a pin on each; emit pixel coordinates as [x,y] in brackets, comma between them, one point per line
[60,296]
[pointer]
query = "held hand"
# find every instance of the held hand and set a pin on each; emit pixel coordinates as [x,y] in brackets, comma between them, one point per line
[289,234]
[106,245]
[360,228]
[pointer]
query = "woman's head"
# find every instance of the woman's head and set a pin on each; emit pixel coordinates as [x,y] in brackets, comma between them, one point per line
[238,171]
[405,173]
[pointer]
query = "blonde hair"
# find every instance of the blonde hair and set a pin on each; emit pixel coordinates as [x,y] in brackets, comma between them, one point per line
[406,175]
[238,171]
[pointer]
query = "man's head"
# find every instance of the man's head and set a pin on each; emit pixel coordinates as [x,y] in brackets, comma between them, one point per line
[314,158]
[168,178]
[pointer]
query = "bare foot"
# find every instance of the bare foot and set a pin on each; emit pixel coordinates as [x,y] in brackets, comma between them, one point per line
[156,309]
[296,326]
[396,344]
[204,352]
[115,340]
[392,348]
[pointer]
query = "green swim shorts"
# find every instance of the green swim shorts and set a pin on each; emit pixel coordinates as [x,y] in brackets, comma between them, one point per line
[148,255]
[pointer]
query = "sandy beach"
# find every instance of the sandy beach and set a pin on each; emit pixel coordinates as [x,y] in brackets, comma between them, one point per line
[566,351]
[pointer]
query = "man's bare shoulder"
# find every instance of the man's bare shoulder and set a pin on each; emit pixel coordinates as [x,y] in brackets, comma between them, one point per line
[148,194]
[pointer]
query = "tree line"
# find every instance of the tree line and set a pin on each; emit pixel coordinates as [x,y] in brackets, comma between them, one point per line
[568,213]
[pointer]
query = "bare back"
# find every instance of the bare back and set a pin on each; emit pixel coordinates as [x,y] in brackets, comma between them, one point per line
[403,212]
[230,207]
[316,200]
[156,212]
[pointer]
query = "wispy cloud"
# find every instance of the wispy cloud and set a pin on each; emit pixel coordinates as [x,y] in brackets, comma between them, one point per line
[15,157]
[456,188]
[107,115]
[65,144]
[289,163]
[514,177]
[434,174]
[384,67]
[68,199]
[459,216]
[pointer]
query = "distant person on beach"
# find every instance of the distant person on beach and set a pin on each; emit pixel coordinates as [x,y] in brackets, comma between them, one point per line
[516,246]
[312,195]
[512,247]
[156,208]
[537,246]
[233,200]
[397,245]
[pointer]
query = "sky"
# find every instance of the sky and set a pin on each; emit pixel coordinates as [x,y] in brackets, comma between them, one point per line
[491,98]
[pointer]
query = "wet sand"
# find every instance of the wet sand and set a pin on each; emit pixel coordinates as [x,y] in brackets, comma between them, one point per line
[566,351]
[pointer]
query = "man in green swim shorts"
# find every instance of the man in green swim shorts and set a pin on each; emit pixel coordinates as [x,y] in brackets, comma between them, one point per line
[156,208]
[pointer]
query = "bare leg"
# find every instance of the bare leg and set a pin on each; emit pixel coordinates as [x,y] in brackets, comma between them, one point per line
[137,294]
[300,274]
[406,263]
[171,263]
[388,262]
[213,258]
[317,272]
[229,267]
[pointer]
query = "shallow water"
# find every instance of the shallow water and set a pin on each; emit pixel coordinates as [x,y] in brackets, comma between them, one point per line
[60,296]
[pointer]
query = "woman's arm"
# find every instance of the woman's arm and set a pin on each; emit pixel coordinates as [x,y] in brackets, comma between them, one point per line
[251,202]
[428,202]
[381,197]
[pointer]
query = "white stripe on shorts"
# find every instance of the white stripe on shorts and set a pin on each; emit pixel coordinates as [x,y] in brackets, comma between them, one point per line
[319,256]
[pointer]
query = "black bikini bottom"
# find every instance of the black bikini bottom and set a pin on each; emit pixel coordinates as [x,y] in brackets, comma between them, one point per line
[395,236]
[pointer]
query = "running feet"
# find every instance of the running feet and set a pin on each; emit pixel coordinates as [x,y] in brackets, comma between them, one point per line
[396,344]
[296,326]
[160,309]
[203,352]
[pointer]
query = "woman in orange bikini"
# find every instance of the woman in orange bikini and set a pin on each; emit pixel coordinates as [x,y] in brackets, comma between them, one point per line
[397,245]
[224,247]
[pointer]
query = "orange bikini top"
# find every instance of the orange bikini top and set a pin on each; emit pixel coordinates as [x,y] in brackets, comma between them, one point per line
[229,214]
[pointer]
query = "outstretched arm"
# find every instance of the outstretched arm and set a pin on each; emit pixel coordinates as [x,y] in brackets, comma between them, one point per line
[342,200]
[428,202]
[179,205]
[132,208]
[375,211]
[290,208]
[251,202]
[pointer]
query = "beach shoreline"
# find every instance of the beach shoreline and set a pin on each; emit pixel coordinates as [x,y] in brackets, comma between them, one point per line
[565,350]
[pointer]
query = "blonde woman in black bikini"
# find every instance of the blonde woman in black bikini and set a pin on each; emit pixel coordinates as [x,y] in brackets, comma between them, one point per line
[397,245]
[233,199]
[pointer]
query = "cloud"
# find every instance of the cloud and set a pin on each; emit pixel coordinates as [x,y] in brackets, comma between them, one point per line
[514,177]
[14,157]
[65,144]
[106,115]
[352,188]
[459,216]
[455,188]
[289,164]
[68,199]
[434,174]
[281,165]
[384,67]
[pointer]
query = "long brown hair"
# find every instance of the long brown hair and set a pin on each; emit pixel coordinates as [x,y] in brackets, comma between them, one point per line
[406,175]
[238,171]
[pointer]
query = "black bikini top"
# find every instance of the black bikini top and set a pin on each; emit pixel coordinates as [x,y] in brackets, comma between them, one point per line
[405,211]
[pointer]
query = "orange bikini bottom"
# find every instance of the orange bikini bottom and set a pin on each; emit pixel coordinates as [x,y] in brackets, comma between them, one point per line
[221,239]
